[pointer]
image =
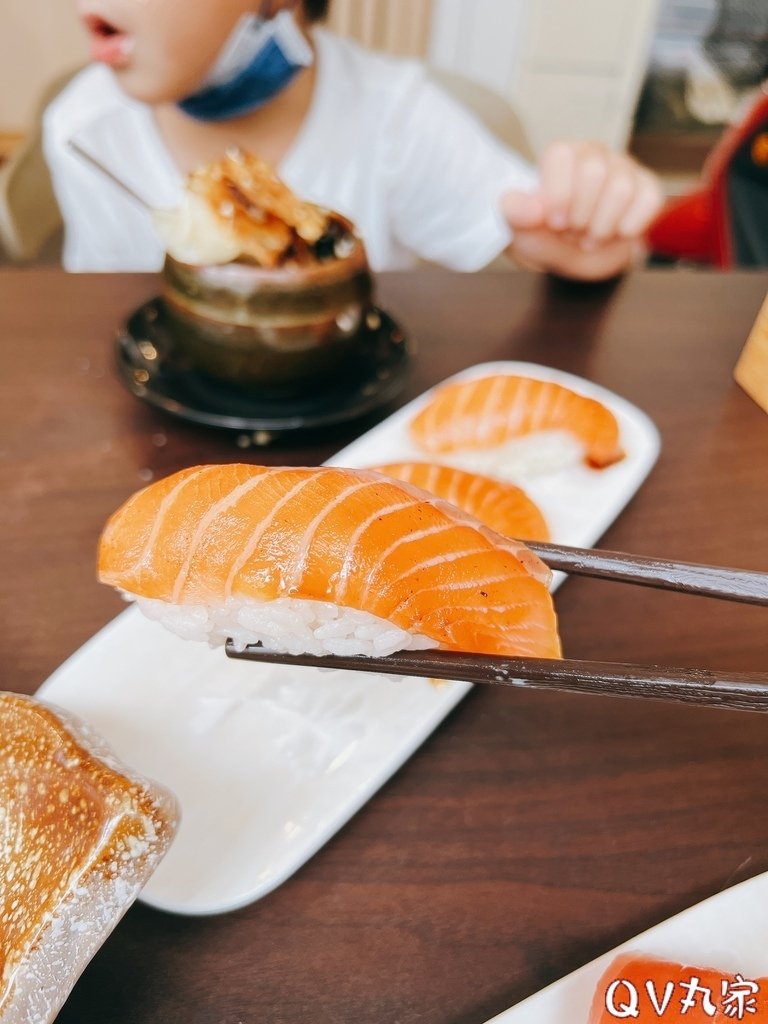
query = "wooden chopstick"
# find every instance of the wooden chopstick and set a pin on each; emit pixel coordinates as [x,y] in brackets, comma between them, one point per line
[741,585]
[742,691]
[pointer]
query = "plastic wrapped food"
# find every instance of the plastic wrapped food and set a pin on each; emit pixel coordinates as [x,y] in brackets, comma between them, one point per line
[80,835]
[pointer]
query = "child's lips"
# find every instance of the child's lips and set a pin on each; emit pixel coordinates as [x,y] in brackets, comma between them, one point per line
[109,45]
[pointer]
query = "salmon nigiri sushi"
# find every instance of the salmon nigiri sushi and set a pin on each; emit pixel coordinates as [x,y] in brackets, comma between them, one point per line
[488,412]
[503,507]
[325,560]
[647,989]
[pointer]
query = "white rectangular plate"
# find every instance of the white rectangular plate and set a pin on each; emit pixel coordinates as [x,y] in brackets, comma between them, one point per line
[269,762]
[728,932]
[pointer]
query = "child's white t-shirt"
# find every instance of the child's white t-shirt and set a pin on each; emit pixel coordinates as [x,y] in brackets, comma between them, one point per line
[417,174]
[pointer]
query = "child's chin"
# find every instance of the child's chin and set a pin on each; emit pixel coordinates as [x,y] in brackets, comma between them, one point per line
[146,88]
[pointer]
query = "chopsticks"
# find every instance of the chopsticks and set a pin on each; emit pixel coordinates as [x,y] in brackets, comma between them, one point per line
[97,165]
[742,585]
[745,691]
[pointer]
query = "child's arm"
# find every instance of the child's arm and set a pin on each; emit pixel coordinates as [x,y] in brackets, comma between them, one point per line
[587,218]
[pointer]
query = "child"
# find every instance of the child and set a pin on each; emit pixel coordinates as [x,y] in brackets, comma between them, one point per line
[362,133]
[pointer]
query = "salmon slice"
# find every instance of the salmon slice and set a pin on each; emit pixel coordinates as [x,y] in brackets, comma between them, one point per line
[658,990]
[351,538]
[501,506]
[486,412]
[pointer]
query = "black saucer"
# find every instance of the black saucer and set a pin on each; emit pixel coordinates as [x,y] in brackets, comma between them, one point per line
[366,383]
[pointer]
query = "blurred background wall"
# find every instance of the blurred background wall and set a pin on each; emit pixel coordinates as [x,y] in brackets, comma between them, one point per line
[39,40]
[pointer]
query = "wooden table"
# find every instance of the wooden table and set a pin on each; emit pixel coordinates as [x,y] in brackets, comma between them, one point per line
[533,831]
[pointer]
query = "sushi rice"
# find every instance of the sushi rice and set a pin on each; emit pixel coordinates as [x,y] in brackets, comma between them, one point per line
[286,624]
[520,458]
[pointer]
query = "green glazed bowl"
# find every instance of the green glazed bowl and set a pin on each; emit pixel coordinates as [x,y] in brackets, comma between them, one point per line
[279,330]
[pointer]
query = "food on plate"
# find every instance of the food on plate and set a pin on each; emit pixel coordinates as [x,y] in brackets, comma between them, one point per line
[260,289]
[647,989]
[325,560]
[80,835]
[503,507]
[489,411]
[237,209]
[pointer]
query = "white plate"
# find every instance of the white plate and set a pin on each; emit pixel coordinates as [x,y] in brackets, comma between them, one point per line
[268,763]
[728,932]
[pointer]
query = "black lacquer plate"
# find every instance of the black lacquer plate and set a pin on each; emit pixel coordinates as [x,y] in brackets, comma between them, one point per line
[368,381]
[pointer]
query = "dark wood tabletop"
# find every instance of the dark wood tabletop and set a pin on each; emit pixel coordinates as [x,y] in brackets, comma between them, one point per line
[532,831]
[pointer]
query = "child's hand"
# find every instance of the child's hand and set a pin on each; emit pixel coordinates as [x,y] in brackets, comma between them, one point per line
[588,217]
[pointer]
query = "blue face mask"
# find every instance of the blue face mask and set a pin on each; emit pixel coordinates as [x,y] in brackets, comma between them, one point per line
[259,60]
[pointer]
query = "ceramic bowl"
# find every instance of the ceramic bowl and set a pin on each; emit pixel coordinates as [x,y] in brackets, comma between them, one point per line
[278,329]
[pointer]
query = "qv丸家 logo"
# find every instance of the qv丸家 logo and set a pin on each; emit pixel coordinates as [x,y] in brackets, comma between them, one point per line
[737,999]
